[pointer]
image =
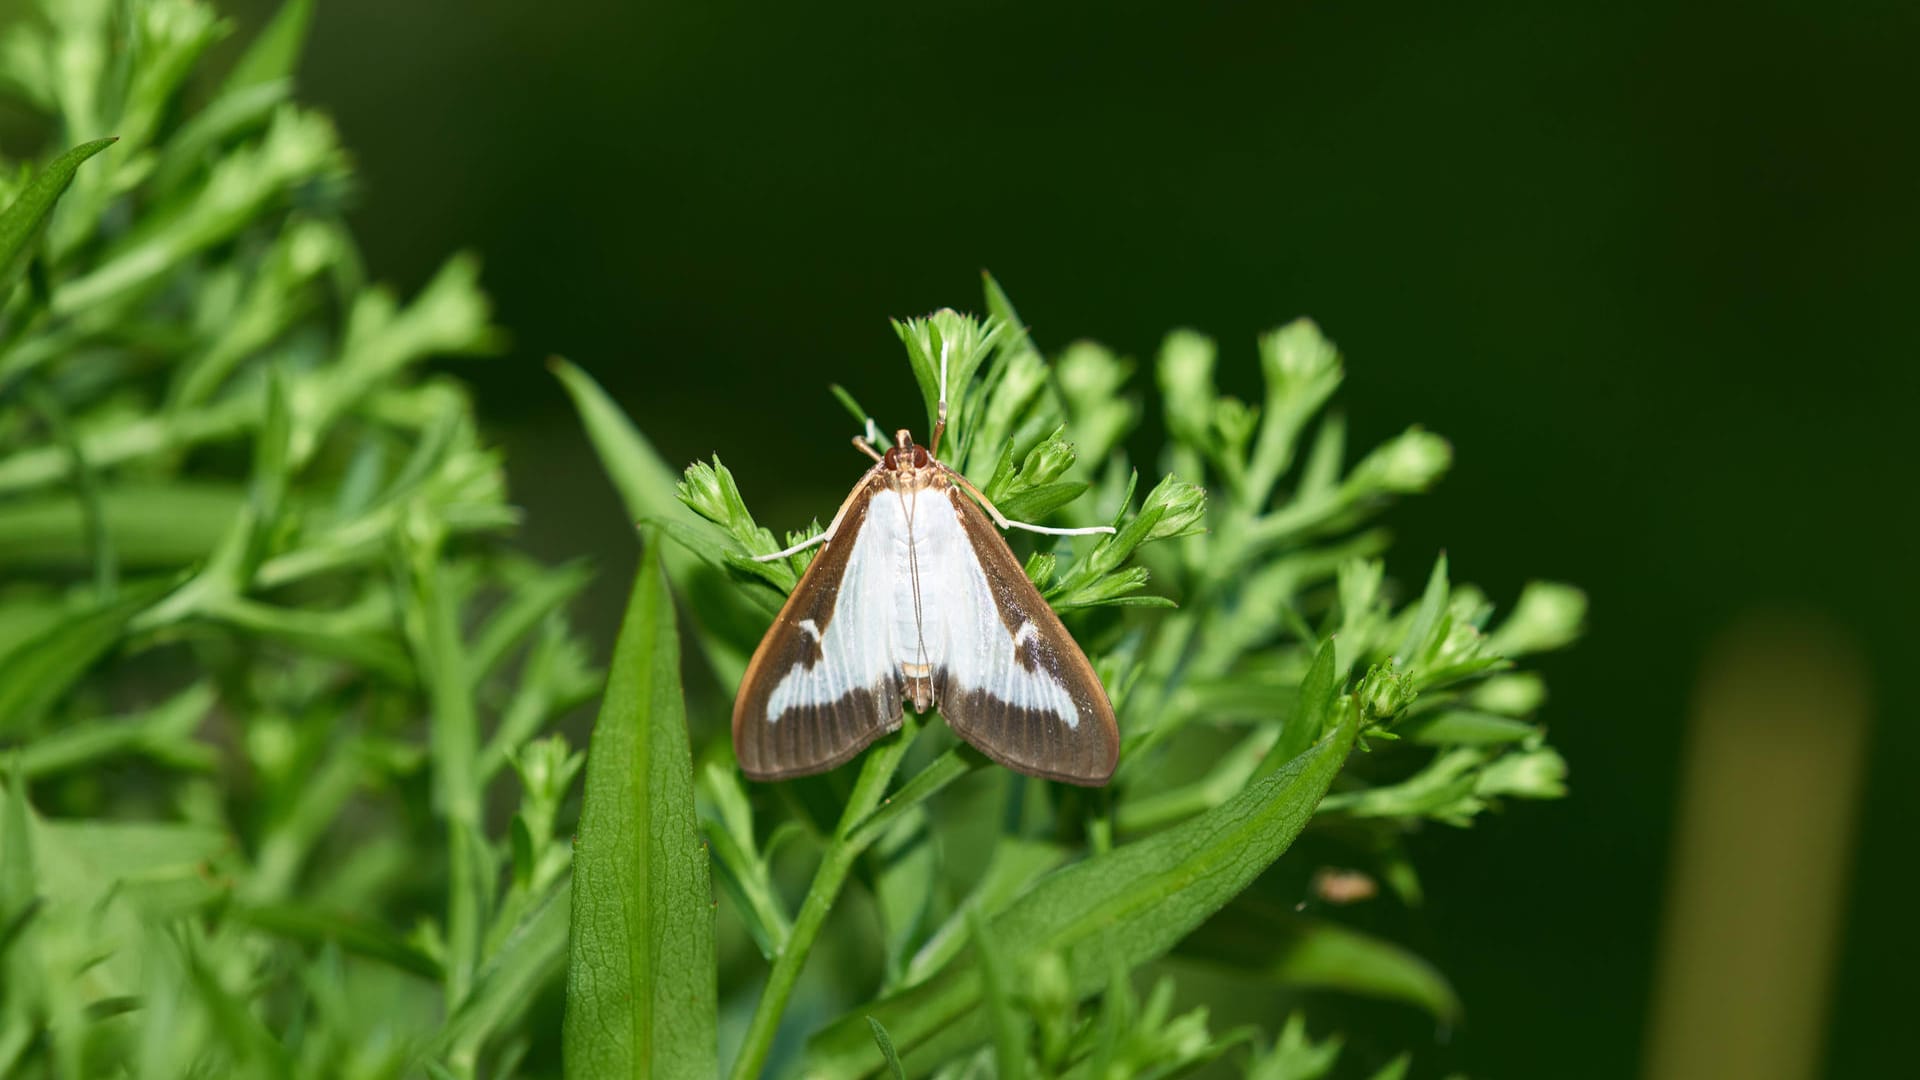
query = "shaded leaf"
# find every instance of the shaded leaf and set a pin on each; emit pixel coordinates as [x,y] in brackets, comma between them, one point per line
[529,959]
[1322,955]
[1135,903]
[1006,1020]
[1468,727]
[22,222]
[276,50]
[41,670]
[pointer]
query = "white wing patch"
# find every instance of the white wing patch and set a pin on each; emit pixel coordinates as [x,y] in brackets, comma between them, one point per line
[857,650]
[963,625]
[883,628]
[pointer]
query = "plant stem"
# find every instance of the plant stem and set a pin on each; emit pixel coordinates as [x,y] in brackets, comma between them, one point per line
[845,847]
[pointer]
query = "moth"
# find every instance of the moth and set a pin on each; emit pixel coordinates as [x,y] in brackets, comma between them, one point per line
[917,598]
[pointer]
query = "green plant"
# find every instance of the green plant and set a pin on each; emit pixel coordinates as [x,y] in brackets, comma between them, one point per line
[1239,708]
[277,789]
[267,661]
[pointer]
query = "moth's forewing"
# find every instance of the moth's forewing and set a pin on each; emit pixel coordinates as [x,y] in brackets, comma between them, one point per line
[811,736]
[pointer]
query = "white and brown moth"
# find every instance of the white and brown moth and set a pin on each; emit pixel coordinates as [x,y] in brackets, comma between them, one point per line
[916,597]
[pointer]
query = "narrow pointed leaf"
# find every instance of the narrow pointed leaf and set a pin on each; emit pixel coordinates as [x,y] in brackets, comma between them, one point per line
[644,480]
[1433,603]
[882,1040]
[1317,693]
[41,671]
[1133,903]
[1009,1034]
[23,221]
[1322,955]
[273,54]
[648,489]
[640,976]
[529,959]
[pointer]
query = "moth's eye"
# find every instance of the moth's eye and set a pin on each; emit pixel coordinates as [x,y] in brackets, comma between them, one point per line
[892,458]
[920,458]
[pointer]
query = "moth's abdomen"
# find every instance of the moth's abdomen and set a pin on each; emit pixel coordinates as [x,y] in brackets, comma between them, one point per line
[918,685]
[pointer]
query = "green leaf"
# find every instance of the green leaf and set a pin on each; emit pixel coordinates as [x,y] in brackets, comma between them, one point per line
[1009,1030]
[529,959]
[1426,619]
[353,933]
[1035,503]
[148,526]
[1016,863]
[85,483]
[196,143]
[900,870]
[941,771]
[22,222]
[1302,370]
[276,51]
[861,417]
[164,733]
[1395,1069]
[1322,955]
[647,485]
[641,997]
[297,148]
[17,870]
[885,1043]
[1533,772]
[40,671]
[650,491]
[1295,1056]
[1468,727]
[964,341]
[1444,789]
[535,594]
[1317,693]
[1001,307]
[78,857]
[1547,616]
[1134,903]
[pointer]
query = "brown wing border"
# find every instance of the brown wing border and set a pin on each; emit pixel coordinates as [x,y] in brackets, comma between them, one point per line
[802,744]
[1017,738]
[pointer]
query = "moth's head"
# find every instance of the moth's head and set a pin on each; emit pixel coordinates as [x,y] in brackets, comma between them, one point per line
[904,454]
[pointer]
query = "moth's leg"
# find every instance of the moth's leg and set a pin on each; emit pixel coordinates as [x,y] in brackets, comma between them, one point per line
[1001,519]
[795,549]
[833,527]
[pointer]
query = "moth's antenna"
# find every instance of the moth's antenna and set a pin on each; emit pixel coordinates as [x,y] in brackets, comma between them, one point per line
[826,535]
[864,442]
[940,415]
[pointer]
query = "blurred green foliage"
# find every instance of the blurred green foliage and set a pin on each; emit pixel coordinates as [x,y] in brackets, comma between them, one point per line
[275,690]
[276,801]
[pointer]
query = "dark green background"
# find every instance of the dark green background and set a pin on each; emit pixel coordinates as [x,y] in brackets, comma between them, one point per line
[1652,271]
